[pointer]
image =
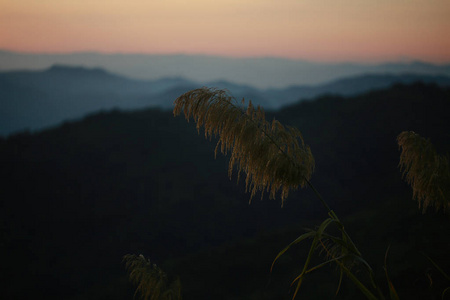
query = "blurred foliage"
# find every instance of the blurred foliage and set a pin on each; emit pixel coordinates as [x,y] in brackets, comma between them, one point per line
[152,282]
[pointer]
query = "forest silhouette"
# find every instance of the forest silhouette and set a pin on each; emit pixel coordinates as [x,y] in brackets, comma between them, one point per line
[77,197]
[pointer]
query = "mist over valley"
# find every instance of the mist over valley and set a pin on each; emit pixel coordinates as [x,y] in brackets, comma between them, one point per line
[33,100]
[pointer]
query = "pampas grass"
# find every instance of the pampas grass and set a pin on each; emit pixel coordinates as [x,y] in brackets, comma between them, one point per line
[152,283]
[273,157]
[427,172]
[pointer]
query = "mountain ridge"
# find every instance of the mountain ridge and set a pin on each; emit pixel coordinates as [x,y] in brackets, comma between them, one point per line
[259,72]
[40,98]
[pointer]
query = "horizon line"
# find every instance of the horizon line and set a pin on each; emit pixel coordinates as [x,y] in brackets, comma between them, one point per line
[404,60]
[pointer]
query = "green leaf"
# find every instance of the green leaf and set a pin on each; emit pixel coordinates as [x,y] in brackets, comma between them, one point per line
[317,236]
[392,291]
[297,240]
[443,293]
[437,267]
[340,282]
[323,264]
[358,283]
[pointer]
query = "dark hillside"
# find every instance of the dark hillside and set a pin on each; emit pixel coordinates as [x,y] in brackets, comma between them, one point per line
[76,198]
[356,137]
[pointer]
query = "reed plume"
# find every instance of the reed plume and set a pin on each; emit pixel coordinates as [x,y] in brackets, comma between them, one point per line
[425,171]
[273,157]
[152,283]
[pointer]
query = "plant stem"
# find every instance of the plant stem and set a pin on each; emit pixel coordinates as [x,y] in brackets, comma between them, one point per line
[320,197]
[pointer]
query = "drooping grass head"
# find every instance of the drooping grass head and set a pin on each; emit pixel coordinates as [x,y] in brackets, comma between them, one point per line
[273,157]
[427,172]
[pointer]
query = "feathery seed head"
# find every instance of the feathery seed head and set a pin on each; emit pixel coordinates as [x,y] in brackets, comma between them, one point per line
[427,172]
[268,153]
[152,283]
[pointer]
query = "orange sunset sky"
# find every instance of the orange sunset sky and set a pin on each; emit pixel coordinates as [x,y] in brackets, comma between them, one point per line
[317,30]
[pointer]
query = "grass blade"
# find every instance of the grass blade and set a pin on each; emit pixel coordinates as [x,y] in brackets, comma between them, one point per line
[392,291]
[297,240]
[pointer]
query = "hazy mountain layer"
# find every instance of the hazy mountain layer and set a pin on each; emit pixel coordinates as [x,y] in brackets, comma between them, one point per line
[260,73]
[37,99]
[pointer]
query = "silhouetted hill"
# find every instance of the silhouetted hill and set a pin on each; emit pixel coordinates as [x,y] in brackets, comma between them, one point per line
[81,80]
[77,197]
[257,72]
[349,86]
[359,84]
[35,100]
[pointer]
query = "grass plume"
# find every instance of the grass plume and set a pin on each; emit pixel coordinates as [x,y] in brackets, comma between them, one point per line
[152,283]
[425,171]
[273,157]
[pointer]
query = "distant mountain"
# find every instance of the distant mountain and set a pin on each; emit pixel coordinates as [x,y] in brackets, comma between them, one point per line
[261,73]
[348,86]
[80,80]
[38,99]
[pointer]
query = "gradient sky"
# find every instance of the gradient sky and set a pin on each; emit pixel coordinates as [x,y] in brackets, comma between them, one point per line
[318,30]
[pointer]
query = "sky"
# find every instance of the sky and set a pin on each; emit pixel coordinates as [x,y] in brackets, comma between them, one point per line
[315,30]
